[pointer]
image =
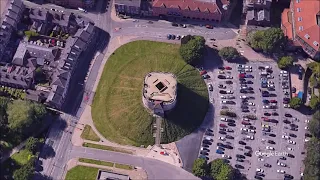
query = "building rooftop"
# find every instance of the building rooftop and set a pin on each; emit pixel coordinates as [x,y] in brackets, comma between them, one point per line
[193,5]
[307,27]
[105,175]
[135,3]
[160,86]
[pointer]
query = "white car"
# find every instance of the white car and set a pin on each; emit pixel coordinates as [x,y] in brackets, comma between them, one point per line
[307,121]
[282,164]
[226,156]
[230,97]
[291,142]
[248,67]
[283,72]
[248,70]
[251,130]
[260,159]
[250,137]
[284,75]
[243,87]
[243,97]
[268,67]
[270,82]
[251,104]
[285,137]
[224,119]
[222,138]
[306,128]
[271,85]
[259,170]
[229,77]
[269,148]
[221,72]
[270,77]
[266,107]
[223,97]
[223,102]
[244,129]
[286,105]
[307,139]
[290,149]
[229,92]
[281,171]
[208,138]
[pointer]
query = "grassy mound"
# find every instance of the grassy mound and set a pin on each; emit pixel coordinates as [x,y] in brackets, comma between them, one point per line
[117,110]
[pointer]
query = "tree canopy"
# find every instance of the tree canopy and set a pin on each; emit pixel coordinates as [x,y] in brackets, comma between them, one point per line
[295,102]
[285,62]
[229,53]
[267,40]
[314,102]
[32,144]
[193,51]
[315,76]
[312,160]
[314,125]
[220,170]
[21,114]
[200,167]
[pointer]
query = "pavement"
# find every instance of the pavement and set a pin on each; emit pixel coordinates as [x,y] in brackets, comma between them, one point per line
[294,165]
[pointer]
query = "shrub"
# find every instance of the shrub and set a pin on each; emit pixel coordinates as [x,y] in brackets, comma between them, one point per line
[285,62]
[229,53]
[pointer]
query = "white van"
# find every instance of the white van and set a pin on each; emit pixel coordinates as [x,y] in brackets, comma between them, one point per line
[83,10]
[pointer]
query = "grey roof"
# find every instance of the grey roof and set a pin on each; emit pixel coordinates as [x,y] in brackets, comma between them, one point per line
[18,3]
[54,98]
[83,35]
[135,3]
[16,76]
[79,44]
[20,55]
[38,14]
[60,18]
[10,21]
[32,63]
[12,15]
[60,78]
[89,28]
[263,15]
[58,89]
[14,9]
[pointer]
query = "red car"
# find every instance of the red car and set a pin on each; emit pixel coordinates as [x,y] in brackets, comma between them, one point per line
[209,26]
[245,123]
[242,75]
[265,119]
[273,101]
[203,72]
[223,125]
[228,68]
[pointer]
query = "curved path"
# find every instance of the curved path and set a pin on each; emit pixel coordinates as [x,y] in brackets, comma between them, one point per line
[155,169]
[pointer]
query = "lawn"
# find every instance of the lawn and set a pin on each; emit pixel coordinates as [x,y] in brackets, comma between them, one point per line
[14,162]
[106,163]
[89,134]
[108,148]
[82,172]
[117,109]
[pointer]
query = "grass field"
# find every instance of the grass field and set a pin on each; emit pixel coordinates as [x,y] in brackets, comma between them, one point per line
[105,163]
[117,110]
[89,134]
[82,172]
[108,148]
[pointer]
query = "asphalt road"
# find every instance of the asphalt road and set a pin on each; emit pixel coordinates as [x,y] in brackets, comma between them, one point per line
[251,163]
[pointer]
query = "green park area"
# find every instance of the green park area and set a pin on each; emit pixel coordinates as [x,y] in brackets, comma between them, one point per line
[117,110]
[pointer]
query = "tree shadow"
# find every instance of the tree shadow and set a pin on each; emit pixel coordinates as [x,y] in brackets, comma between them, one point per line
[47,151]
[212,60]
[8,167]
[39,176]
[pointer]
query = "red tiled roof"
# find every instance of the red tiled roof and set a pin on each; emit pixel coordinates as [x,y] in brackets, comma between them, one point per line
[194,5]
[308,12]
[286,23]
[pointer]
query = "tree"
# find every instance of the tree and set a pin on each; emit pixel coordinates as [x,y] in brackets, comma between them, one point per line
[21,114]
[40,75]
[312,160]
[285,62]
[220,170]
[32,144]
[314,102]
[25,172]
[295,103]
[315,76]
[229,53]
[267,40]
[192,52]
[200,167]
[314,125]
[186,39]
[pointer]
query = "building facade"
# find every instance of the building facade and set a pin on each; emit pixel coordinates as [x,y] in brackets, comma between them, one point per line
[128,7]
[258,12]
[191,9]
[301,24]
[74,3]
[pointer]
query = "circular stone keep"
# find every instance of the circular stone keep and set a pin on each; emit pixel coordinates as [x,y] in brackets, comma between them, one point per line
[159,89]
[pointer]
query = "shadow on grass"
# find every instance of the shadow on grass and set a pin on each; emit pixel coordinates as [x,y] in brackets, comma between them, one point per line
[186,117]
[8,167]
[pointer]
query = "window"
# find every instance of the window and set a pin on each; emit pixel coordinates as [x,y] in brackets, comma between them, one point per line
[315,43]
[297,1]
[307,36]
[298,9]
[300,28]
[299,18]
